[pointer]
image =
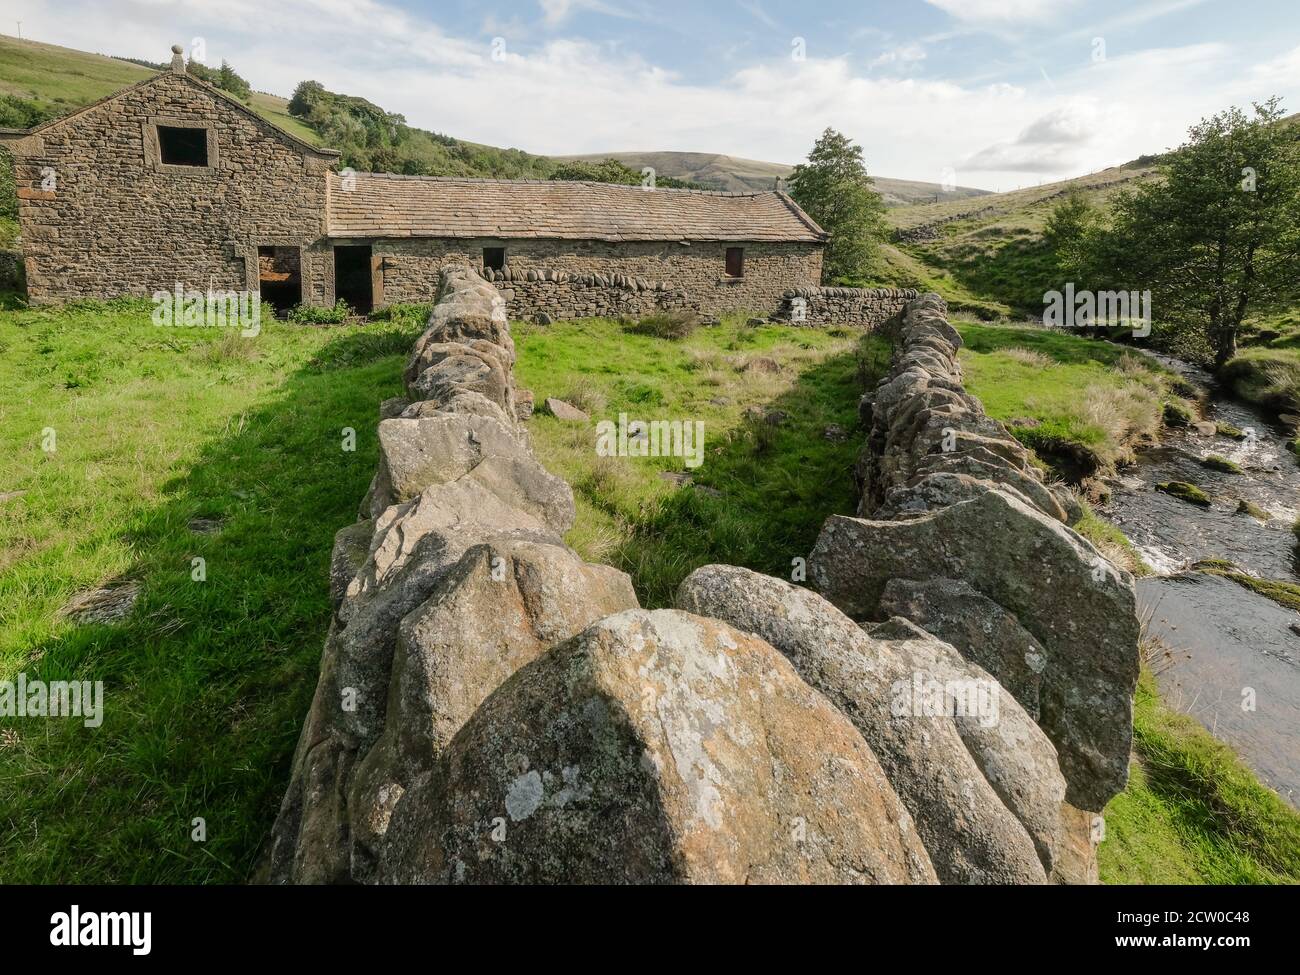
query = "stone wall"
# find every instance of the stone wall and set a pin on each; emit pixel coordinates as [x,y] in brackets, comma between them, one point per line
[492,709]
[866,307]
[565,294]
[957,532]
[695,268]
[115,223]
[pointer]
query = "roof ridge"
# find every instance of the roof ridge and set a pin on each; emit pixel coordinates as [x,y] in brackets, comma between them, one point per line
[576,182]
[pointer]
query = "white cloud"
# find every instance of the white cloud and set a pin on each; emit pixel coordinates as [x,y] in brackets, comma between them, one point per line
[907,54]
[1002,11]
[572,96]
[1049,144]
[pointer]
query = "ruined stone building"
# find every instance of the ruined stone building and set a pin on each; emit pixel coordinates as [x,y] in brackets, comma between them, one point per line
[173,181]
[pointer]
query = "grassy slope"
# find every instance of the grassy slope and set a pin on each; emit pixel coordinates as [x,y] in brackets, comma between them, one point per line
[989,258]
[721,172]
[1083,401]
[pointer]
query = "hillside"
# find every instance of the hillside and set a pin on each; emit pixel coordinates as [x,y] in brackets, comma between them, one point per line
[986,254]
[721,172]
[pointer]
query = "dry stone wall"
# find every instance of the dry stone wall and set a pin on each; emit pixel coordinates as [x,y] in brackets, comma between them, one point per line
[493,709]
[866,307]
[550,294]
[957,532]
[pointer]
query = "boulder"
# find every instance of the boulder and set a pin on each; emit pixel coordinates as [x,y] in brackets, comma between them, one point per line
[655,747]
[1017,759]
[416,454]
[969,832]
[502,605]
[981,630]
[1079,608]
[565,411]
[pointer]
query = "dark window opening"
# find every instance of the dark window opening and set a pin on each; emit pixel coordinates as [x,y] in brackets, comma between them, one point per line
[735,262]
[494,258]
[182,146]
[279,277]
[352,278]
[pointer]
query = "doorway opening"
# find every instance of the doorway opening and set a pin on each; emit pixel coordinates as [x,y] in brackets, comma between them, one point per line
[352,278]
[279,278]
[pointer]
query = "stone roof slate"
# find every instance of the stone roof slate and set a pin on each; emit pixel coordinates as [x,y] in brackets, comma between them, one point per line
[382,205]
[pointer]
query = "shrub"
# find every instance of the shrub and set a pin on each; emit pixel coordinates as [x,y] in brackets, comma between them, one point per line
[311,315]
[670,325]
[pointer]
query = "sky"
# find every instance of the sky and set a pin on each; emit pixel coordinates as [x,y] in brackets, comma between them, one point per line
[988,93]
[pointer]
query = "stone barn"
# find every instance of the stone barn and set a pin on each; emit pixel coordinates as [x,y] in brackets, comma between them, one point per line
[173,182]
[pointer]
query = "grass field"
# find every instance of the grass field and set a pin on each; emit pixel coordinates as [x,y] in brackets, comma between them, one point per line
[206,682]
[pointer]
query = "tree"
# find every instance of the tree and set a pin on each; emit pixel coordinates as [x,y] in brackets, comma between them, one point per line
[1219,232]
[229,81]
[834,189]
[1066,232]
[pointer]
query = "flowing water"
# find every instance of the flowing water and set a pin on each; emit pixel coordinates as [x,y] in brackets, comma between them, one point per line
[1235,655]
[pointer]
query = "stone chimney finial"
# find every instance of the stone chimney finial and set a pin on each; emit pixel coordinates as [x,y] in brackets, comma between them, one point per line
[178,59]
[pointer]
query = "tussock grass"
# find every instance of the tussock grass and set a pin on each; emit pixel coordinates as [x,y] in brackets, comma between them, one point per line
[1028,357]
[1267,377]
[1084,414]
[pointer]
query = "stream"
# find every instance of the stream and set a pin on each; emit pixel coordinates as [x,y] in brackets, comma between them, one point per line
[1235,660]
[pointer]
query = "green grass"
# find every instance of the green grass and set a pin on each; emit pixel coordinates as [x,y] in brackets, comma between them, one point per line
[766,488]
[206,683]
[1192,812]
[1080,405]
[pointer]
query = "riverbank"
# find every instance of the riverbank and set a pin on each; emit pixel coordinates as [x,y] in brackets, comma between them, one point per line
[1196,809]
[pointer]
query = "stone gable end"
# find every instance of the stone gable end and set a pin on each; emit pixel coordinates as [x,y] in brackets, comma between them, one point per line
[118,223]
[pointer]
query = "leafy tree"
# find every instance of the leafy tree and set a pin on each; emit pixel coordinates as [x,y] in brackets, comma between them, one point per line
[228,80]
[834,189]
[1066,232]
[1219,233]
